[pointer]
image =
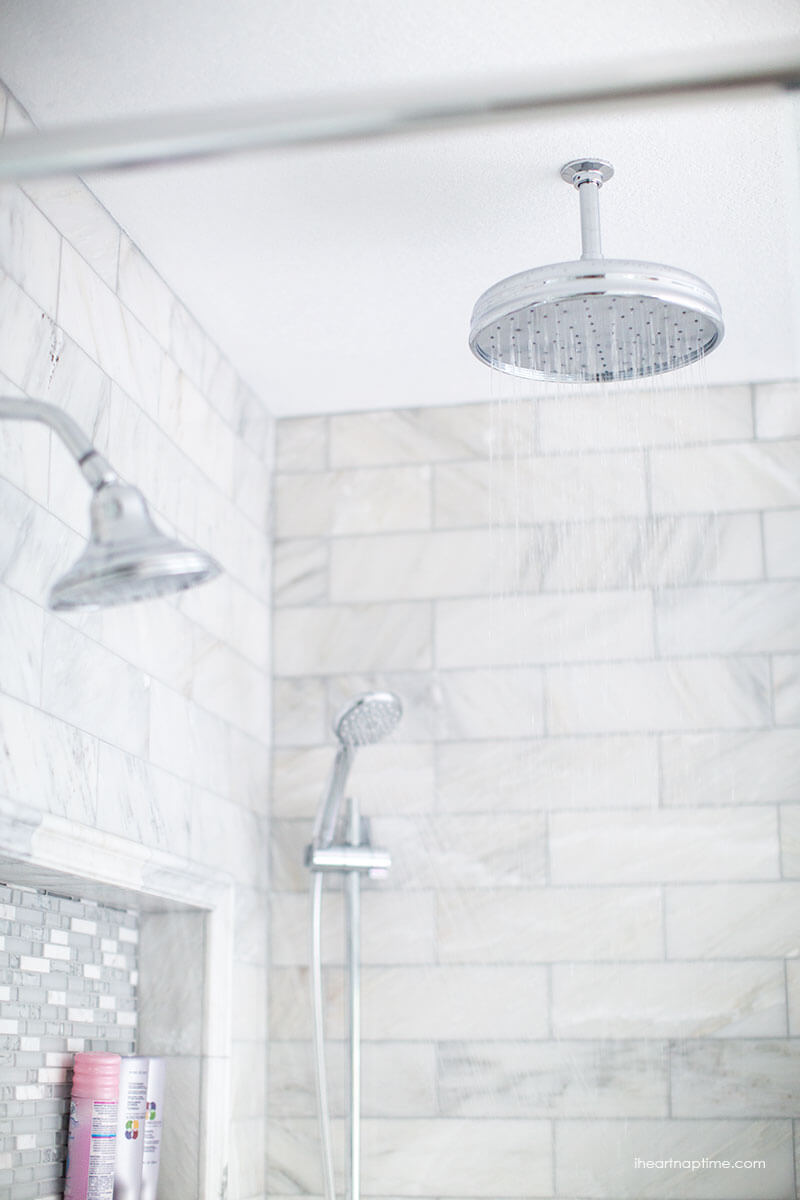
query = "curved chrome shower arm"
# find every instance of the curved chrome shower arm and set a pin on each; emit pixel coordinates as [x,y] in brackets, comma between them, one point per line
[96,470]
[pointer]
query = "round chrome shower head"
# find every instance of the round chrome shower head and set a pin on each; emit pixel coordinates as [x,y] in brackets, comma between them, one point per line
[368,718]
[595,319]
[127,557]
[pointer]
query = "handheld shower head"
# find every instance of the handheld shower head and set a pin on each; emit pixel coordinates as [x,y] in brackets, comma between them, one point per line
[366,719]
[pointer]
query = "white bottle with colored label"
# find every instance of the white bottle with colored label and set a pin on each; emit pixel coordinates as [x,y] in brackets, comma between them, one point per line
[152,1129]
[131,1113]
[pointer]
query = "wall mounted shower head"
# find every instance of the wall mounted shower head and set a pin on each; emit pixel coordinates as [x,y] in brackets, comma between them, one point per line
[127,558]
[595,319]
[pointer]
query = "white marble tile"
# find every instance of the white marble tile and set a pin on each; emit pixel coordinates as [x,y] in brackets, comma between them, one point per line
[299,712]
[458,1157]
[249,1016]
[231,838]
[553,1079]
[732,1078]
[595,555]
[36,547]
[84,683]
[156,638]
[664,846]
[411,435]
[191,348]
[248,1159]
[138,801]
[249,772]
[30,340]
[535,490]
[397,1079]
[449,1002]
[301,444]
[248,628]
[548,773]
[756,920]
[189,421]
[778,410]
[188,741]
[21,640]
[360,501]
[669,1000]
[232,688]
[786,688]
[397,927]
[323,640]
[143,291]
[550,924]
[253,422]
[649,418]
[252,486]
[512,630]
[248,1082]
[287,845]
[30,248]
[91,313]
[732,478]
[456,705]
[47,763]
[170,1002]
[178,1172]
[744,619]
[300,568]
[470,850]
[690,694]
[793,995]
[748,767]
[782,543]
[387,777]
[81,218]
[789,825]
[598,1159]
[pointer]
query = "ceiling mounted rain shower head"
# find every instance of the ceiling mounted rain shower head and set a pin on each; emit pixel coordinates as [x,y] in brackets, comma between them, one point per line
[595,319]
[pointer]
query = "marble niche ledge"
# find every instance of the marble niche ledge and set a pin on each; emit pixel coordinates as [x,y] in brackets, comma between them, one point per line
[184,995]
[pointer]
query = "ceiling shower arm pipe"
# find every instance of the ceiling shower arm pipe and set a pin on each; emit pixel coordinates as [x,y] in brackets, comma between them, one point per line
[172,137]
[589,195]
[96,470]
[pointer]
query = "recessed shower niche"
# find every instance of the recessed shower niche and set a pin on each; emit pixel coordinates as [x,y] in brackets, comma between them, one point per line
[183,995]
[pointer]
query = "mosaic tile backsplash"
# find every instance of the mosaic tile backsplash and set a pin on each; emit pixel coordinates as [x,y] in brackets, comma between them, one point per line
[68,975]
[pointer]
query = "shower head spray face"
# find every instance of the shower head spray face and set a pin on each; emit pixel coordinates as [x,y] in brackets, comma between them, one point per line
[127,557]
[368,718]
[595,319]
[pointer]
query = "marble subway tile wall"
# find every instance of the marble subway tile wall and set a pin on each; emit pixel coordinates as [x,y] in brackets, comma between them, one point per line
[586,950]
[149,722]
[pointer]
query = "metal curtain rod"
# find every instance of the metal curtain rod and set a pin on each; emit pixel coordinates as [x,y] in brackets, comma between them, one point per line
[144,141]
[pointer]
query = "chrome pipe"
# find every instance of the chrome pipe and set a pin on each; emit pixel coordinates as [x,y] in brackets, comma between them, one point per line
[173,137]
[96,470]
[353,888]
[589,194]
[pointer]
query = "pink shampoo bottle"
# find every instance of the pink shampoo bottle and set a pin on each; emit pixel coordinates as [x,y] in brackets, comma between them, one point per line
[91,1143]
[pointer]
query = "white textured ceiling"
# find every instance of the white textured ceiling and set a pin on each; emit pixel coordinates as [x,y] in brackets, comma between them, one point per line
[343,278]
